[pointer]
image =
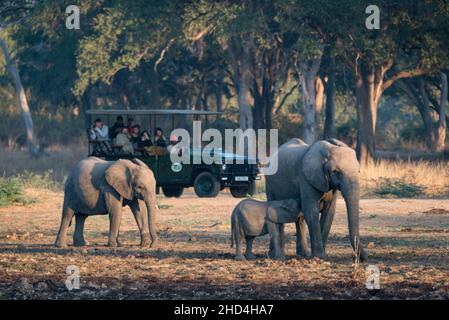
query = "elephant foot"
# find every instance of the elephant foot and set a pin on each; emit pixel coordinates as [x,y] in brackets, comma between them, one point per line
[112,244]
[272,255]
[322,257]
[279,258]
[363,256]
[302,254]
[80,243]
[154,243]
[250,256]
[240,257]
[144,243]
[60,244]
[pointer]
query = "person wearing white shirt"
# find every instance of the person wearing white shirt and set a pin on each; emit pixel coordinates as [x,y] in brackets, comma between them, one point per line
[99,131]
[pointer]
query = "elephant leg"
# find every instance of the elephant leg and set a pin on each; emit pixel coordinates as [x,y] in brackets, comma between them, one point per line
[249,247]
[327,217]
[238,247]
[67,215]
[276,241]
[312,216]
[281,228]
[115,218]
[78,236]
[301,238]
[139,212]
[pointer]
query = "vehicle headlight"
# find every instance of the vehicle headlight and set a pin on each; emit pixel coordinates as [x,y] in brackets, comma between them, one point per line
[223,167]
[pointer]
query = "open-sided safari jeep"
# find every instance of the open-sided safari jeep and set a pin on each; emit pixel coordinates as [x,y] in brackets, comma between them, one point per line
[207,179]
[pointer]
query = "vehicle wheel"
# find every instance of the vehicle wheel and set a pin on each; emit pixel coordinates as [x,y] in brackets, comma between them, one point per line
[172,191]
[242,191]
[206,185]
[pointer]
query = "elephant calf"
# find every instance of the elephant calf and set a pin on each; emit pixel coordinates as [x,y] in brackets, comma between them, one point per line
[96,186]
[252,218]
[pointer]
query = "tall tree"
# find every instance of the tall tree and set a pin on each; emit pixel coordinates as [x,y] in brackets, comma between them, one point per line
[410,42]
[11,13]
[422,91]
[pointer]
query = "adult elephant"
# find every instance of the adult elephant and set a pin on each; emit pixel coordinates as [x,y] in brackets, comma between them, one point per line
[283,186]
[313,174]
[97,187]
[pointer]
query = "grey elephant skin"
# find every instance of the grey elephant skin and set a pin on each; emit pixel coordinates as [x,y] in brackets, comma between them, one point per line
[96,187]
[252,218]
[314,173]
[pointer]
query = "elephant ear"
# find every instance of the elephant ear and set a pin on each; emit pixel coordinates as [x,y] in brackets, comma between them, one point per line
[118,176]
[140,163]
[313,165]
[281,212]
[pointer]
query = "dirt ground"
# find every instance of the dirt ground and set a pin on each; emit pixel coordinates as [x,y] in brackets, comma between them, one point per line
[408,240]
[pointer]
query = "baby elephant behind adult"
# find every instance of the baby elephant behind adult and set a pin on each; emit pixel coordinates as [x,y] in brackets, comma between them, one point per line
[251,218]
[97,187]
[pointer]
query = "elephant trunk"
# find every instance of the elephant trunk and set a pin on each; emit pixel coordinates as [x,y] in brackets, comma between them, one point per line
[152,211]
[351,194]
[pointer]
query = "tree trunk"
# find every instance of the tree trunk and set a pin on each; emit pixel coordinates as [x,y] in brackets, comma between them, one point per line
[308,76]
[22,99]
[240,62]
[368,89]
[417,92]
[219,90]
[244,101]
[319,100]
[440,132]
[329,123]
[154,88]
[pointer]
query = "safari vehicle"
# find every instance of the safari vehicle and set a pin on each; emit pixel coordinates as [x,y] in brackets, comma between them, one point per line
[172,178]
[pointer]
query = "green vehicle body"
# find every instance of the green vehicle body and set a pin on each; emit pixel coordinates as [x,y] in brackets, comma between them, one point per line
[207,179]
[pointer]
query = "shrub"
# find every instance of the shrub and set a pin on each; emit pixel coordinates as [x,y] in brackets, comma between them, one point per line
[11,192]
[45,180]
[398,188]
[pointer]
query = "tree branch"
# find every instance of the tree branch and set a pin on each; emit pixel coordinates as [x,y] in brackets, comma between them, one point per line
[406,74]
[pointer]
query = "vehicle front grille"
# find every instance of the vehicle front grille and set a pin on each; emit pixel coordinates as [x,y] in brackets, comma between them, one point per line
[241,168]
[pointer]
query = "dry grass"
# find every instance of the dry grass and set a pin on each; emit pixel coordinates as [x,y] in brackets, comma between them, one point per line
[405,239]
[408,179]
[430,177]
[58,160]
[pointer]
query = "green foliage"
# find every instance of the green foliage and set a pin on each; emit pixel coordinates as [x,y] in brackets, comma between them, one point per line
[142,54]
[390,187]
[45,180]
[11,192]
[124,34]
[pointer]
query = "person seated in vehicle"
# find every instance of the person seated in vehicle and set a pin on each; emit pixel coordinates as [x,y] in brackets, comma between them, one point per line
[159,138]
[135,135]
[172,147]
[100,133]
[145,140]
[115,129]
[130,125]
[122,141]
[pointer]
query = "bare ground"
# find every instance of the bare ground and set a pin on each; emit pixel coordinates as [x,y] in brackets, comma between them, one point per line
[407,239]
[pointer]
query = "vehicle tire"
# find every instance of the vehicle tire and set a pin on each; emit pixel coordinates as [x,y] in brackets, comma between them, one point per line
[242,191]
[206,185]
[172,191]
